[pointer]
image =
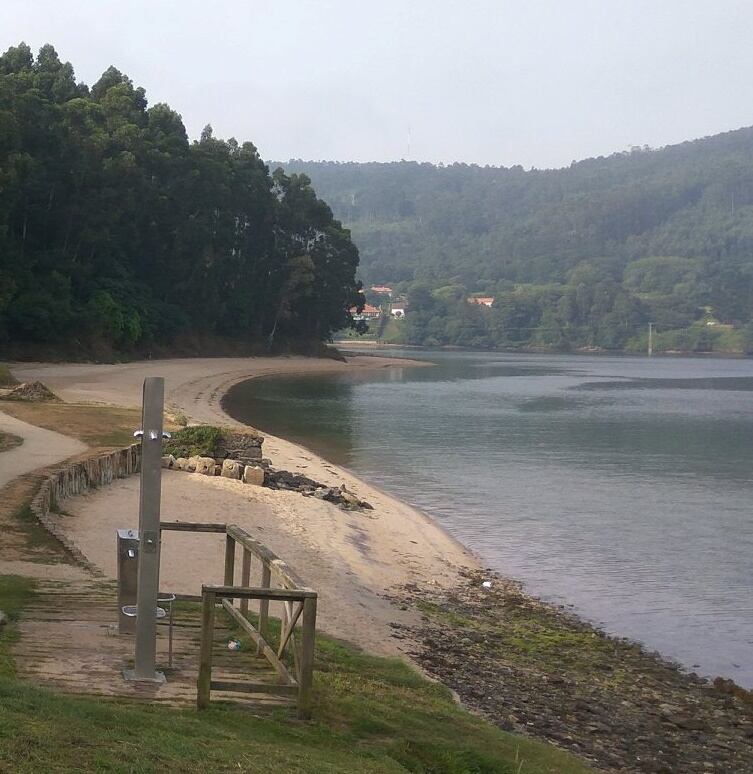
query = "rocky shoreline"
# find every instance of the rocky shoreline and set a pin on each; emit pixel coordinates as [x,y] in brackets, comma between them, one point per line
[238,456]
[532,668]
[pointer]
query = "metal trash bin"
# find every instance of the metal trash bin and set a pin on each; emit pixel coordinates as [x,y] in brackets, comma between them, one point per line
[128,575]
[131,613]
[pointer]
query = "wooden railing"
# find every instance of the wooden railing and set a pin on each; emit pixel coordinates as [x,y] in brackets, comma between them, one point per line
[278,583]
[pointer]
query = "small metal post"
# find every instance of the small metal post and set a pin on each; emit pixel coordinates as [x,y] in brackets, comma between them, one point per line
[204,683]
[170,638]
[149,533]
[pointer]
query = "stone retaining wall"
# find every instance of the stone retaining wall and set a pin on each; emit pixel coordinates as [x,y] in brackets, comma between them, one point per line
[76,478]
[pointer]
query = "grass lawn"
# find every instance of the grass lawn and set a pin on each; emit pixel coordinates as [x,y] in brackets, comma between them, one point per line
[371,715]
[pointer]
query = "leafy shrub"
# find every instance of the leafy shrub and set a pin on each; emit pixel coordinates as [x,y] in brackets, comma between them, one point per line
[6,377]
[199,441]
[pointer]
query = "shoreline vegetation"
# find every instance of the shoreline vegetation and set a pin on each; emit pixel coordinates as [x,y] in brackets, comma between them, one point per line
[357,342]
[524,665]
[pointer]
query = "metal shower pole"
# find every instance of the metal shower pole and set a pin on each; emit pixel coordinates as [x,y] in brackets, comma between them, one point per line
[149,533]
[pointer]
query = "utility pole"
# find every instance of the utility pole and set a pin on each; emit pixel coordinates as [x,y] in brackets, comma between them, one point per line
[650,339]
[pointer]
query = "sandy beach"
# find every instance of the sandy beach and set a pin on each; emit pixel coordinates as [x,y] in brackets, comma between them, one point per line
[354,559]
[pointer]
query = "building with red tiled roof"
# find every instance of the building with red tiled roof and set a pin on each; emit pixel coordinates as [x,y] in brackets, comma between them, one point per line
[481,300]
[369,313]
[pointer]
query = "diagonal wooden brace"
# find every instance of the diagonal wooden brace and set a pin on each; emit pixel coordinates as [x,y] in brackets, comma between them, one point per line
[288,633]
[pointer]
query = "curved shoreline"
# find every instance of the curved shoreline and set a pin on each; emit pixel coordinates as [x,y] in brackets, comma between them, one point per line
[294,453]
[357,560]
[308,453]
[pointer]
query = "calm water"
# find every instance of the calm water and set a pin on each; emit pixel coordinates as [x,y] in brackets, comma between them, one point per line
[621,486]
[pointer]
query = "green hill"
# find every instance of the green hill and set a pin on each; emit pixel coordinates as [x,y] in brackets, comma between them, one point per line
[584,255]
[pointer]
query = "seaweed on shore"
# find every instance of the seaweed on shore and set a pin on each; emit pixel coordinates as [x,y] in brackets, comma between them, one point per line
[534,668]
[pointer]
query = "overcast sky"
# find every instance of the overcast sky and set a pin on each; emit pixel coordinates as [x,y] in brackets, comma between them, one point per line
[531,82]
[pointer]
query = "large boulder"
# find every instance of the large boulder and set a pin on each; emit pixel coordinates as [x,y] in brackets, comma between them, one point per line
[168,461]
[232,469]
[242,447]
[191,464]
[349,498]
[181,463]
[253,475]
[205,466]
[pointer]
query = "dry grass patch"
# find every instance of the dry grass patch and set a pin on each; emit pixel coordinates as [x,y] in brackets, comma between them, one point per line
[23,537]
[96,426]
[9,441]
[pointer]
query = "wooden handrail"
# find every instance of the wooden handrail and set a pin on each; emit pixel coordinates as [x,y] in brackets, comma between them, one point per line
[293,590]
[251,592]
[192,526]
[305,661]
[285,573]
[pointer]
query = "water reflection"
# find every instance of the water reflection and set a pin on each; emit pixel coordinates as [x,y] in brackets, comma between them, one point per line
[285,407]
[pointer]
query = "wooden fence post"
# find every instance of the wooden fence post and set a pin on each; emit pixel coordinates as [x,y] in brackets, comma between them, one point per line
[245,577]
[205,658]
[229,562]
[306,670]
[266,578]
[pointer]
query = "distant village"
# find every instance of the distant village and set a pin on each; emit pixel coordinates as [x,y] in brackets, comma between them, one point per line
[397,307]
[388,306]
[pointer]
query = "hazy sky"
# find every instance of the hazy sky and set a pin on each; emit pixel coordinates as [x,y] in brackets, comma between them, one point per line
[531,82]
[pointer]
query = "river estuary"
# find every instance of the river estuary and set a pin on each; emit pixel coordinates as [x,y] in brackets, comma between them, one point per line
[622,487]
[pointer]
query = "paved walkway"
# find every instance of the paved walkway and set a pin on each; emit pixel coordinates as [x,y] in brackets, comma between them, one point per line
[39,449]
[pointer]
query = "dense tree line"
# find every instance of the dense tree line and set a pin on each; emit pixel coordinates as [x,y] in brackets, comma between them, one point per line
[116,231]
[584,255]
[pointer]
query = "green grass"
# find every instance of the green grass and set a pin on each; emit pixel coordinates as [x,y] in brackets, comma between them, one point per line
[14,592]
[695,338]
[200,441]
[6,377]
[370,715]
[39,539]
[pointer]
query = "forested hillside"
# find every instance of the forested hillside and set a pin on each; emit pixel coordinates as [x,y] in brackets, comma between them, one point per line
[117,234]
[581,256]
